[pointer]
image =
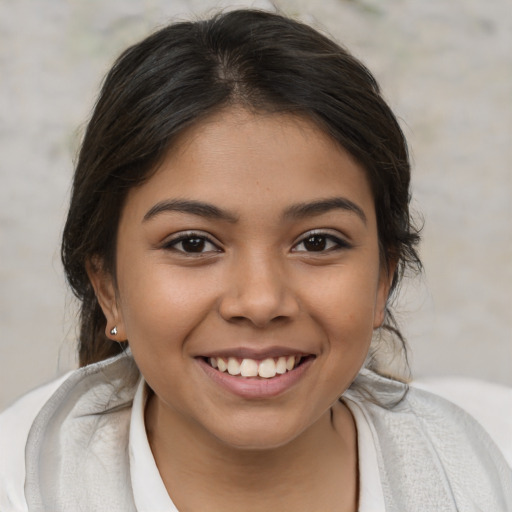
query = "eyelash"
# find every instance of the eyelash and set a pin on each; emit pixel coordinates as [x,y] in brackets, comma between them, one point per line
[328,243]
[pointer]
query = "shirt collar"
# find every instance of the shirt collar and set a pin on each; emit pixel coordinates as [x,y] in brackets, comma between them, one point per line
[149,491]
[371,495]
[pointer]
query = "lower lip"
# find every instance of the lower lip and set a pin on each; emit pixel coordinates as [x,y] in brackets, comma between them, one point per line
[254,387]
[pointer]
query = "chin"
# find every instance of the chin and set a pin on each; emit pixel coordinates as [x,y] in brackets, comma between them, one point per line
[259,442]
[259,434]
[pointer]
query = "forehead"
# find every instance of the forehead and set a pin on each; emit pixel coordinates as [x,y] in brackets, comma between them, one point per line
[243,160]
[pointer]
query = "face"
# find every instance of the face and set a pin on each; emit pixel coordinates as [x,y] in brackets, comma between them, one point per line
[248,278]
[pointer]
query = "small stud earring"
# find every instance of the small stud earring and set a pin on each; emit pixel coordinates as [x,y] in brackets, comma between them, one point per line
[113,331]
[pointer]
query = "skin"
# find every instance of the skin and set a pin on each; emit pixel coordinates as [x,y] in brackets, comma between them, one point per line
[254,283]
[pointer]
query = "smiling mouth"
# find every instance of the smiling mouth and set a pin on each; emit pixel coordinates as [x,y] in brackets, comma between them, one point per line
[268,368]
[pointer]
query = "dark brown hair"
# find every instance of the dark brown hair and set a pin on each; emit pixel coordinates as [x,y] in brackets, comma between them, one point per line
[186,71]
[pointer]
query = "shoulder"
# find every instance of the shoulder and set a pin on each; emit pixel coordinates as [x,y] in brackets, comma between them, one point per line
[435,446]
[466,449]
[15,424]
[490,404]
[457,413]
[458,401]
[38,429]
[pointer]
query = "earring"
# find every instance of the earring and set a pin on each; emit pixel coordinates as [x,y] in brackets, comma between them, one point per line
[113,331]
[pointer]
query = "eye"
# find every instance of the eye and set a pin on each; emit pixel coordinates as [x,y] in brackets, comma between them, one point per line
[191,243]
[320,242]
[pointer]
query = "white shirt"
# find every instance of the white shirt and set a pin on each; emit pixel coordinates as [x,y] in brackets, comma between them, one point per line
[149,491]
[151,495]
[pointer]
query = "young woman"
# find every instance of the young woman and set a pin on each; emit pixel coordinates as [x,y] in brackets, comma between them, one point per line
[238,223]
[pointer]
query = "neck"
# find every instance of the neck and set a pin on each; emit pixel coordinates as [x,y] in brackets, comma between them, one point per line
[315,471]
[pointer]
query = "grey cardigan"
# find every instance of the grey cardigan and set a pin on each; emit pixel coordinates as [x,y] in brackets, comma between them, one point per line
[432,456]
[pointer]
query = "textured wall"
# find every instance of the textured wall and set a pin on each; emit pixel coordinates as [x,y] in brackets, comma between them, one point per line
[445,67]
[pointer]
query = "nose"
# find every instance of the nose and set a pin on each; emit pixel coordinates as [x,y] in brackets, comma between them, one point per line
[258,293]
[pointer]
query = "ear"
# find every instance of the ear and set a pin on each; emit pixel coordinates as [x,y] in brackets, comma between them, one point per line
[104,288]
[386,275]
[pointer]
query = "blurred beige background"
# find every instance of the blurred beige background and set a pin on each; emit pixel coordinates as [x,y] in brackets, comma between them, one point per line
[446,68]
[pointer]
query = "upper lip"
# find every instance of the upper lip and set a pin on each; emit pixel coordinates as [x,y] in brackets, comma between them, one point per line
[255,353]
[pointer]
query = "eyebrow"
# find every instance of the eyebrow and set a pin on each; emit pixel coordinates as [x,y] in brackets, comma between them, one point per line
[190,206]
[296,211]
[302,210]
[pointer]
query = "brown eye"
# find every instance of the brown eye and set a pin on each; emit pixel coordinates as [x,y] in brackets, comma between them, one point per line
[315,243]
[191,244]
[320,242]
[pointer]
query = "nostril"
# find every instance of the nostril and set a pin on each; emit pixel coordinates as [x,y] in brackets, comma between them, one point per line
[259,322]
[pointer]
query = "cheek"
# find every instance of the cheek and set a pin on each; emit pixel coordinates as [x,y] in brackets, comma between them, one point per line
[344,298]
[162,305]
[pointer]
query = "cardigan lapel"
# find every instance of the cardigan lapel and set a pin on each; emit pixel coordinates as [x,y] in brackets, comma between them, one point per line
[77,450]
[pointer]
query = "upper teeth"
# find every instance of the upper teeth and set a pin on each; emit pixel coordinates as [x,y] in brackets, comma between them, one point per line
[267,368]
